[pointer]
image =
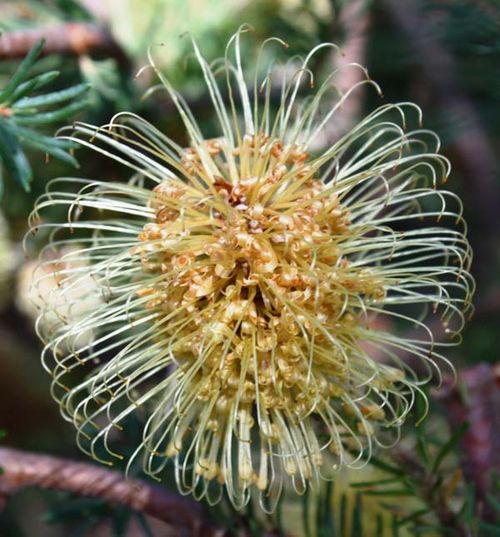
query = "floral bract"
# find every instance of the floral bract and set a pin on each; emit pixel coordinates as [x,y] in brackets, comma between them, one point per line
[253,293]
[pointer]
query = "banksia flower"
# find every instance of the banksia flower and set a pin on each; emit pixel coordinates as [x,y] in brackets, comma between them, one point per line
[256,292]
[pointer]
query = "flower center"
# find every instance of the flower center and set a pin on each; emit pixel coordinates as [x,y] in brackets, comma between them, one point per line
[249,280]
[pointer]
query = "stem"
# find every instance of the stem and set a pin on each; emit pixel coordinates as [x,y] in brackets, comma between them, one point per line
[354,20]
[23,469]
[71,38]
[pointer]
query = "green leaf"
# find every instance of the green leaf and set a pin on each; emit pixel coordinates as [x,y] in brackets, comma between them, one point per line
[306,502]
[467,510]
[357,524]
[251,519]
[379,532]
[489,530]
[395,528]
[120,521]
[450,445]
[52,146]
[13,158]
[325,525]
[433,529]
[394,470]
[84,529]
[343,515]
[27,111]
[143,523]
[46,118]
[73,10]
[414,516]
[438,483]
[389,492]
[75,509]
[21,71]
[24,133]
[320,514]
[494,502]
[52,98]
[279,516]
[33,84]
[422,449]
[376,482]
[329,521]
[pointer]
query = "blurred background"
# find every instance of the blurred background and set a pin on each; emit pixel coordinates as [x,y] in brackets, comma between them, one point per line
[443,55]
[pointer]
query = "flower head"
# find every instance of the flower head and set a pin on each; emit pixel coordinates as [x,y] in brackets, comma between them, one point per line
[254,293]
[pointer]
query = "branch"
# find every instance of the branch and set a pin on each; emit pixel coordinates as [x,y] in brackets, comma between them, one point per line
[354,19]
[71,38]
[353,22]
[23,469]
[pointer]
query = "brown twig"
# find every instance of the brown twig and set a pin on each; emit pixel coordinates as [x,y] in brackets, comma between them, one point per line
[22,469]
[71,38]
[355,21]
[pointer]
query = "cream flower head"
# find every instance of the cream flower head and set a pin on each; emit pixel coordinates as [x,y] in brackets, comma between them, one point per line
[252,293]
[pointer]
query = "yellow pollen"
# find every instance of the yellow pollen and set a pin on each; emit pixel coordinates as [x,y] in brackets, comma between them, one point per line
[251,280]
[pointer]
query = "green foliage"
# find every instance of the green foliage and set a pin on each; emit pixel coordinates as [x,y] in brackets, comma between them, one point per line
[69,10]
[23,112]
[83,514]
[430,475]
[412,490]
[86,513]
[449,446]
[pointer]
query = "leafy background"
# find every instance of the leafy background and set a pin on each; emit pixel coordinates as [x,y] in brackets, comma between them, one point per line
[444,479]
